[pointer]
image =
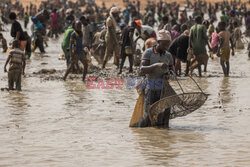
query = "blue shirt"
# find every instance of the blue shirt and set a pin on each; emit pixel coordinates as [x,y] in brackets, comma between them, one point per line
[76,39]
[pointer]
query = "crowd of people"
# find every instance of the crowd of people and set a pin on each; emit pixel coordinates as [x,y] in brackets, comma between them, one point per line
[172,34]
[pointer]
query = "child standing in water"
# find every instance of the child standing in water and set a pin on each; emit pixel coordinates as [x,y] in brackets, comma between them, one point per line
[224,48]
[16,61]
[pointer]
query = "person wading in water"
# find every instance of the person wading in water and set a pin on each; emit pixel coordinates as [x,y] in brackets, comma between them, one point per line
[112,43]
[156,62]
[17,64]
[224,48]
[76,51]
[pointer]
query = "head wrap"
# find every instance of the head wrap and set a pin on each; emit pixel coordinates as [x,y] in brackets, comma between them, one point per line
[138,22]
[114,10]
[164,35]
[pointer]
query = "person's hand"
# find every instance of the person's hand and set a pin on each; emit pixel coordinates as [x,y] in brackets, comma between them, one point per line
[233,53]
[5,70]
[161,65]
[218,54]
[23,72]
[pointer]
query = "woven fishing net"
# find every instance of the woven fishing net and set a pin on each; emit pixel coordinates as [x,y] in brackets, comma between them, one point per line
[181,105]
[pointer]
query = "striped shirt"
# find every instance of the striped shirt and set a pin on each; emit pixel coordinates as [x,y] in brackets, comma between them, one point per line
[16,59]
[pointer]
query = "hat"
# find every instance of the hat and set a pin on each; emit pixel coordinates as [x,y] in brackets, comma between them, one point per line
[164,35]
[138,22]
[114,10]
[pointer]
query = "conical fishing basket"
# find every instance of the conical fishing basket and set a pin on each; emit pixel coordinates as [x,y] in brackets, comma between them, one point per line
[180,105]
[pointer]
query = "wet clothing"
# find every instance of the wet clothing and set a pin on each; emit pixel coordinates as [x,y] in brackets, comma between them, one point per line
[16,27]
[198,35]
[150,97]
[155,92]
[179,47]
[225,54]
[14,76]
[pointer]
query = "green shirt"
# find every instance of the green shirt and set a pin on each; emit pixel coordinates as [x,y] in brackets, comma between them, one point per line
[225,18]
[198,36]
[66,39]
[26,18]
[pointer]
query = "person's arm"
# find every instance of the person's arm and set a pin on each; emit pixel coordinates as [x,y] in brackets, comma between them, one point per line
[18,34]
[232,45]
[219,47]
[189,40]
[171,65]
[147,69]
[7,61]
[206,38]
[24,64]
[70,47]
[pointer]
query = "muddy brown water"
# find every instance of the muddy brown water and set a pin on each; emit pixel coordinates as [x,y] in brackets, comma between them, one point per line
[56,123]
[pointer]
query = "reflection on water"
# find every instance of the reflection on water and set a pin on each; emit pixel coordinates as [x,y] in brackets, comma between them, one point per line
[225,90]
[56,123]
